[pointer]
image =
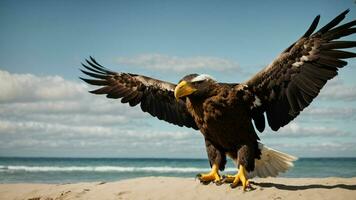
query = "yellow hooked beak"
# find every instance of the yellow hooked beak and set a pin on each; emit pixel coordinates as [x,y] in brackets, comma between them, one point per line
[183,89]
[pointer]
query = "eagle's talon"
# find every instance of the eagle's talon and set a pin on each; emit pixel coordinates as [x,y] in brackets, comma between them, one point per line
[207,178]
[233,185]
[249,187]
[205,182]
[227,178]
[240,177]
[219,182]
[197,176]
[212,176]
[223,177]
[202,180]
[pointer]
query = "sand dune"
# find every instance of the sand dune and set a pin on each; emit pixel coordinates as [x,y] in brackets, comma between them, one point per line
[185,188]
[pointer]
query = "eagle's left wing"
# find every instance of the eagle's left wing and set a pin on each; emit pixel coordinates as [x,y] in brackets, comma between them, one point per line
[290,83]
[155,96]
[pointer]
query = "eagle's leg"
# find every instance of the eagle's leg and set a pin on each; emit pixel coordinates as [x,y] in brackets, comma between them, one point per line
[240,177]
[212,176]
[245,161]
[217,161]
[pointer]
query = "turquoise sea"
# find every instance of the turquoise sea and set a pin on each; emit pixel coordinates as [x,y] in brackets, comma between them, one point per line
[65,170]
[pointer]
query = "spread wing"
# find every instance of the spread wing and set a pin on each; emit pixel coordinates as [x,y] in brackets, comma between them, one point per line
[296,76]
[154,96]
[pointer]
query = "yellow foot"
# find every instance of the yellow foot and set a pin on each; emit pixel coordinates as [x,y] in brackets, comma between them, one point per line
[239,177]
[212,176]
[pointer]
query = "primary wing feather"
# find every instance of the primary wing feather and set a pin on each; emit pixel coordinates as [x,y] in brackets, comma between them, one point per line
[296,76]
[154,96]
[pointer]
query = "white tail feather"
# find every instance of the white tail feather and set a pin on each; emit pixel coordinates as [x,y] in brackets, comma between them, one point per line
[272,163]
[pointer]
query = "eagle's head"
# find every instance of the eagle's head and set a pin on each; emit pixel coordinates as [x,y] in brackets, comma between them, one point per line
[194,85]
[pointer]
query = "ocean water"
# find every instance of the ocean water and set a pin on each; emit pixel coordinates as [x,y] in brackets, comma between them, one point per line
[71,170]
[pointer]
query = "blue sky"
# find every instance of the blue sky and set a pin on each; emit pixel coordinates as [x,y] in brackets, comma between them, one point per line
[46,111]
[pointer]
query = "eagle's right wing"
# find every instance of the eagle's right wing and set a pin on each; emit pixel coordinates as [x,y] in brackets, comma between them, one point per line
[155,97]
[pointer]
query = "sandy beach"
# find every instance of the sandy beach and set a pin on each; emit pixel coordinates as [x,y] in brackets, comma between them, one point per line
[185,188]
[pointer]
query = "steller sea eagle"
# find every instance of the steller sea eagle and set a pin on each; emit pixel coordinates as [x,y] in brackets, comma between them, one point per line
[224,113]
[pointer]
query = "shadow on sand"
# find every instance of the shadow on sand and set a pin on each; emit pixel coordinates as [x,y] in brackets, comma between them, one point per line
[304,187]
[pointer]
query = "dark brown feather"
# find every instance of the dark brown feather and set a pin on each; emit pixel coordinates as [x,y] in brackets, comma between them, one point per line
[94,75]
[155,97]
[95,81]
[296,77]
[337,45]
[334,22]
[344,33]
[92,69]
[312,27]
[129,97]
[117,92]
[136,100]
[324,73]
[331,34]
[331,62]
[306,88]
[339,54]
[103,90]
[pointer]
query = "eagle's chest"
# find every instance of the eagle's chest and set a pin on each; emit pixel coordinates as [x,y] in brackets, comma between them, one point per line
[220,115]
[224,118]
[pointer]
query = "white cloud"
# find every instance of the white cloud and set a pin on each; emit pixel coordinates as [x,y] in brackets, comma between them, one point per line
[321,148]
[52,129]
[27,87]
[329,113]
[30,136]
[294,129]
[161,62]
[338,90]
[27,95]
[66,131]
